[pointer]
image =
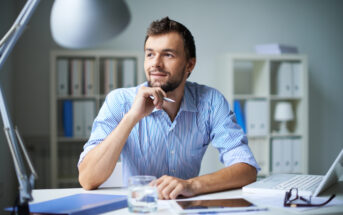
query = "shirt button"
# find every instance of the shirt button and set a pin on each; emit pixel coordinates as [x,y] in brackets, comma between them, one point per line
[172,152]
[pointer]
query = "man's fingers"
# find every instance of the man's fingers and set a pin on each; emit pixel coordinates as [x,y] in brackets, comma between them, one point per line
[169,188]
[176,192]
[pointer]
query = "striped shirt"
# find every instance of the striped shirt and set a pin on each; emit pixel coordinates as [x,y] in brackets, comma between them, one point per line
[157,146]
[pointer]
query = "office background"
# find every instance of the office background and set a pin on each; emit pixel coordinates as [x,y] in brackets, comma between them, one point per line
[219,26]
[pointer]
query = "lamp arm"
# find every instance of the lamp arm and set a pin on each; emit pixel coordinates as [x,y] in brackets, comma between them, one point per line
[7,43]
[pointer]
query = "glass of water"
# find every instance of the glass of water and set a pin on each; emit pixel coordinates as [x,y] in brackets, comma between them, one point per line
[142,197]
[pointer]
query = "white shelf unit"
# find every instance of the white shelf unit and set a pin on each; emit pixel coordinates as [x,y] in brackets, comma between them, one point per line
[256,77]
[65,151]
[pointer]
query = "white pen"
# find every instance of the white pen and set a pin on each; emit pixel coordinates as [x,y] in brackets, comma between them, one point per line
[164,98]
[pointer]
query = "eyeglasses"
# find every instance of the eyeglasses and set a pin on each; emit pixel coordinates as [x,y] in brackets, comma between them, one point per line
[292,199]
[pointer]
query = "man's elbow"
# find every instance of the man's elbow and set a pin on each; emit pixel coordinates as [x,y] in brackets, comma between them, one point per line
[86,181]
[251,174]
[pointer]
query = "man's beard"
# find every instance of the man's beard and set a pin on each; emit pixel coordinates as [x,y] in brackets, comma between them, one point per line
[170,85]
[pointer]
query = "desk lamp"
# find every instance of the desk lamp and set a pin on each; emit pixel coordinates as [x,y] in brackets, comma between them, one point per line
[74,24]
[283,114]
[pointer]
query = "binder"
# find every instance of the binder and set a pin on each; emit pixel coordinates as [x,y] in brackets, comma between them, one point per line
[277,155]
[76,77]
[259,150]
[63,77]
[256,117]
[128,70]
[88,116]
[297,79]
[261,116]
[250,117]
[296,152]
[67,115]
[287,155]
[78,127]
[284,79]
[88,74]
[239,115]
[111,75]
[80,204]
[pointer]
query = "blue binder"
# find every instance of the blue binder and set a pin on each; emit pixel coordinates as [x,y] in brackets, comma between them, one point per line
[78,204]
[239,115]
[68,118]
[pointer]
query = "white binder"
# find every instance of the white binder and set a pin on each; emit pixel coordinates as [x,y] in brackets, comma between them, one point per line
[76,77]
[287,155]
[256,112]
[78,119]
[284,79]
[63,77]
[111,75]
[89,115]
[89,82]
[297,79]
[277,155]
[129,70]
[250,117]
[259,149]
[261,116]
[296,152]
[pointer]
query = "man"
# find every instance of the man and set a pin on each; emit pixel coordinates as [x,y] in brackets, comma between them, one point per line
[167,139]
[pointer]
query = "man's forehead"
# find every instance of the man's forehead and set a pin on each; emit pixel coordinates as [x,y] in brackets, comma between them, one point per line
[172,41]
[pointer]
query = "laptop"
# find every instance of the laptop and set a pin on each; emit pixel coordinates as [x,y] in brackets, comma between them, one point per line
[306,184]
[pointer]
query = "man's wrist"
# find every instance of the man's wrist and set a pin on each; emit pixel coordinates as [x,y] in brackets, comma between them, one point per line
[131,118]
[195,186]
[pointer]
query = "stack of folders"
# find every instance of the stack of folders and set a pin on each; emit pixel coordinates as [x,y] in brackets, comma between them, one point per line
[256,117]
[114,77]
[78,117]
[289,77]
[259,148]
[75,77]
[286,155]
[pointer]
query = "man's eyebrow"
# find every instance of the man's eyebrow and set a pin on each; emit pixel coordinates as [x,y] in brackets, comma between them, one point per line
[163,50]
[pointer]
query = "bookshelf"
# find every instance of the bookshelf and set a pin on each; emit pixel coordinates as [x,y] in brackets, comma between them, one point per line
[80,81]
[258,84]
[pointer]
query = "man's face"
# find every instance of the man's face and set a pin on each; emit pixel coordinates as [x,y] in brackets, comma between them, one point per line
[165,61]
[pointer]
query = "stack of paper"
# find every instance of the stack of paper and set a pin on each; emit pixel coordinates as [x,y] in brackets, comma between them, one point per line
[275,48]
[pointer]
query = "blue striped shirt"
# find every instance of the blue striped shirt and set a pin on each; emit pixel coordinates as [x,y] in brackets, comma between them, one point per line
[157,146]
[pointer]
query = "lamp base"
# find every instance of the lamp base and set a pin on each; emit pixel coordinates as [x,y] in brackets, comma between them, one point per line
[283,128]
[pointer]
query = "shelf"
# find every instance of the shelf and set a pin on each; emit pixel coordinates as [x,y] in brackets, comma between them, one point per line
[246,97]
[259,82]
[71,139]
[285,135]
[273,97]
[83,97]
[80,81]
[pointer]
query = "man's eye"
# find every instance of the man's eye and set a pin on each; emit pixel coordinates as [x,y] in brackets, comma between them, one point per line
[148,54]
[169,55]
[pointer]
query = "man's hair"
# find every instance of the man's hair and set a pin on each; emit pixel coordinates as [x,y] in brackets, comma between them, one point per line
[167,25]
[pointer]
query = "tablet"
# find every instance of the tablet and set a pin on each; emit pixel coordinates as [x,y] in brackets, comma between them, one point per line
[212,205]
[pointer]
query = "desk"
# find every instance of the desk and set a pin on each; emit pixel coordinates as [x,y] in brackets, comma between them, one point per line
[48,194]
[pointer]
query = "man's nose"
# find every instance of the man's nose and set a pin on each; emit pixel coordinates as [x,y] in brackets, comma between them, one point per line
[157,61]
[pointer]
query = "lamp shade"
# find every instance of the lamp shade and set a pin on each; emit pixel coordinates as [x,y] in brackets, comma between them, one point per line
[283,111]
[86,23]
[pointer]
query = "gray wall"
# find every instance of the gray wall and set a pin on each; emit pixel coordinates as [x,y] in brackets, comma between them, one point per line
[219,26]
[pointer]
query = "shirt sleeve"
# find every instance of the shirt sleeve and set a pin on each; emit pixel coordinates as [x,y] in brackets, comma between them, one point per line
[227,136]
[109,116]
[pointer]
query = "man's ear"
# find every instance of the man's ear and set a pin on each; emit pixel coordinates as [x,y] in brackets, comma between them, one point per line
[190,66]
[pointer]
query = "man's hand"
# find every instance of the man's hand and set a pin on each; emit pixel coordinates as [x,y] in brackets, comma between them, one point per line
[169,187]
[143,104]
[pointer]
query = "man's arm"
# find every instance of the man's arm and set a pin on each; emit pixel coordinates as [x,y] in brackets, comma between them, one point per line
[100,162]
[231,177]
